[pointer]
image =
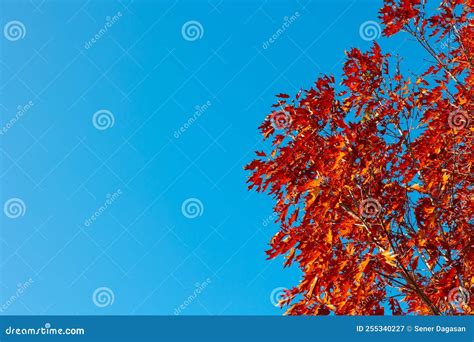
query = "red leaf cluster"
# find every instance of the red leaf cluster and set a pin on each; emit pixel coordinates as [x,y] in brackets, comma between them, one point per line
[372,179]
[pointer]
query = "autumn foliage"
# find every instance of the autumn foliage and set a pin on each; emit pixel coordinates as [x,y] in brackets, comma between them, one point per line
[372,177]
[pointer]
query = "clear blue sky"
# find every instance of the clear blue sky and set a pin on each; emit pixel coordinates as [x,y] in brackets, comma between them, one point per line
[150,78]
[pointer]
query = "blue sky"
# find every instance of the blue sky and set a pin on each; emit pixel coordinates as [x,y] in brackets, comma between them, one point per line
[149,78]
